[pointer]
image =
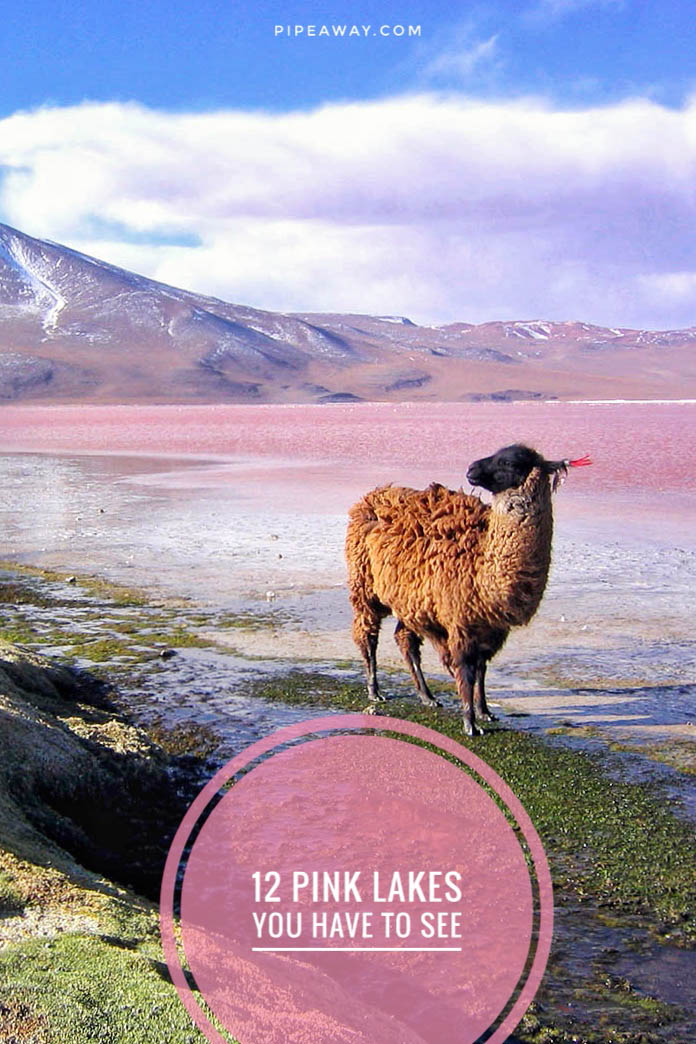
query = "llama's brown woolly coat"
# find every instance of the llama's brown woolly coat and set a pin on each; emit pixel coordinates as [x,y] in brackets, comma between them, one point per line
[451,568]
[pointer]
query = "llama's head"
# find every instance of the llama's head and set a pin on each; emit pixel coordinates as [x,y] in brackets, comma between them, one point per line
[511,466]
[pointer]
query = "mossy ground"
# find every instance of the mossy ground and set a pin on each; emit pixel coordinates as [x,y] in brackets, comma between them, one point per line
[92,623]
[618,842]
[619,855]
[86,989]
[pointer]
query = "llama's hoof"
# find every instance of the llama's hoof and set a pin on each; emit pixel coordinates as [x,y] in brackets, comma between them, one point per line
[377,698]
[471,729]
[487,716]
[429,701]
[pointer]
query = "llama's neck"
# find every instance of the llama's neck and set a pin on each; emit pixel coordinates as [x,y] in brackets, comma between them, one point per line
[518,550]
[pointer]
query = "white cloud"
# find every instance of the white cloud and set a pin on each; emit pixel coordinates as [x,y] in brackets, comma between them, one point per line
[461,58]
[438,207]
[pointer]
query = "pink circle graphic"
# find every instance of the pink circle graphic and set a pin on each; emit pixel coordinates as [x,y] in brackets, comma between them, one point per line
[340,882]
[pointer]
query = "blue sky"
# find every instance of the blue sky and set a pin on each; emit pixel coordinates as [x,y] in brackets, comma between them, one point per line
[202,54]
[515,160]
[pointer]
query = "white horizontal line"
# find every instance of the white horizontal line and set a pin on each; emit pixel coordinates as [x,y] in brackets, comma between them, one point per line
[354,949]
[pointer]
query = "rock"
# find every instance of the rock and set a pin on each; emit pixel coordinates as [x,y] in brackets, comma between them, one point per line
[22,670]
[78,782]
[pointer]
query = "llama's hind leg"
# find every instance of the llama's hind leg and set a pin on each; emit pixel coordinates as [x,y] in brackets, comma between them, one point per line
[410,645]
[464,670]
[366,635]
[481,708]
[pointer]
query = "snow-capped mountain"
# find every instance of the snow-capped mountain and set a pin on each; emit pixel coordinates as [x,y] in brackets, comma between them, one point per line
[74,328]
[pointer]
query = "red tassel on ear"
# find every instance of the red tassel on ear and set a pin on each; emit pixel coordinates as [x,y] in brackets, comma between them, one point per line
[581,462]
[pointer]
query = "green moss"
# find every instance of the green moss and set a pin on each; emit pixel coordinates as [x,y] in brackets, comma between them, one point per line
[95,587]
[623,993]
[13,592]
[21,569]
[114,593]
[616,842]
[133,642]
[18,634]
[177,637]
[602,1009]
[101,650]
[313,689]
[95,989]
[129,627]
[533,1031]
[185,738]
[99,621]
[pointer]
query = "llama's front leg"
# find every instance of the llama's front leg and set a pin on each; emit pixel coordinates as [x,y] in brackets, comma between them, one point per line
[464,670]
[366,635]
[481,708]
[410,645]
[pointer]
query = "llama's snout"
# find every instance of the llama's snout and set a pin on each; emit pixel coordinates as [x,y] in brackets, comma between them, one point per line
[475,473]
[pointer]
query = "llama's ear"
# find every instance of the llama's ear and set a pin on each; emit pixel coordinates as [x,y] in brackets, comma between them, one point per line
[560,472]
[559,469]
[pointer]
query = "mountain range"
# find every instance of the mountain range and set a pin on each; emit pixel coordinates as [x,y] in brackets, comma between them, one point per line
[76,329]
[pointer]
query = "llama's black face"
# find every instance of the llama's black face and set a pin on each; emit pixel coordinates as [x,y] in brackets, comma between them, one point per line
[506,469]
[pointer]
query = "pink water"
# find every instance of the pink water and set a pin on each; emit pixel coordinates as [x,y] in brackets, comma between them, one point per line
[265,489]
[649,446]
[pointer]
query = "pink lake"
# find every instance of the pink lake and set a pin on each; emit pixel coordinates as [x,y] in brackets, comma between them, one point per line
[641,450]
[645,445]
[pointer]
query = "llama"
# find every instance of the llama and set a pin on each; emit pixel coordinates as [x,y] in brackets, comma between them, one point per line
[452,569]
